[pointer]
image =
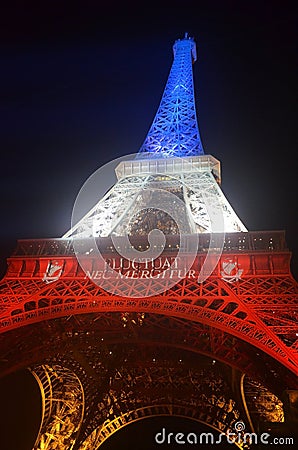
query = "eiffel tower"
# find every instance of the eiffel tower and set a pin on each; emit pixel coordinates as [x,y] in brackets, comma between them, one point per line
[157,302]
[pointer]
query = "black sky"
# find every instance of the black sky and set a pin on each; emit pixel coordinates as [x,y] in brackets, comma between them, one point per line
[80,84]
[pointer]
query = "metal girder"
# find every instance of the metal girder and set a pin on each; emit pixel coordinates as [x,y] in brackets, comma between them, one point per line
[62,407]
[261,403]
[106,214]
[203,190]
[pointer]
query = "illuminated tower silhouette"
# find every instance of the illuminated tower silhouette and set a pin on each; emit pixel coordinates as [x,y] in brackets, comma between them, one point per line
[112,342]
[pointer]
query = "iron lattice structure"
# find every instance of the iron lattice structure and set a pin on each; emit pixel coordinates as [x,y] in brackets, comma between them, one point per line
[219,350]
[174,131]
[190,184]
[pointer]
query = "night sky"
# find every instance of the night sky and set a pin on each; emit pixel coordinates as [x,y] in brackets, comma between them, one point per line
[81,83]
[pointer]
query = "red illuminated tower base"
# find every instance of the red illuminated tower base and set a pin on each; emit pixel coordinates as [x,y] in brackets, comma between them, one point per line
[219,351]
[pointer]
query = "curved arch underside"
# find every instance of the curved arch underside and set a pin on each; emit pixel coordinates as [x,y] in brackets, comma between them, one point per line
[204,416]
[113,385]
[233,309]
[136,362]
[89,333]
[127,394]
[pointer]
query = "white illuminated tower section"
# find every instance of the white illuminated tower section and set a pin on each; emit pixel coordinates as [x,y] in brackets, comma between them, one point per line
[171,160]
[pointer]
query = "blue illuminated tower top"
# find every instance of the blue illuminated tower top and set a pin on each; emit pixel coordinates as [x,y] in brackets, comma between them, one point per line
[174,131]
